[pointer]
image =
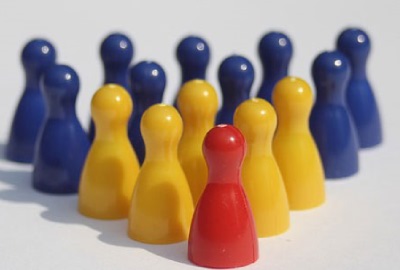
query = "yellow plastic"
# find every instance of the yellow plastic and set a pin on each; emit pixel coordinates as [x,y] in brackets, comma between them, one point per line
[261,177]
[111,167]
[198,105]
[294,147]
[161,208]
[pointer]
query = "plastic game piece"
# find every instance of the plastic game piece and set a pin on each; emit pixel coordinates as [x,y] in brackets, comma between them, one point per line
[330,120]
[37,56]
[223,233]
[262,180]
[193,54]
[111,167]
[162,207]
[355,44]
[198,105]
[116,53]
[293,146]
[236,76]
[147,84]
[62,144]
[275,51]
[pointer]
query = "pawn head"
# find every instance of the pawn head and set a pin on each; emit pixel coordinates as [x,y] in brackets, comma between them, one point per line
[148,79]
[193,52]
[38,55]
[117,50]
[275,47]
[354,43]
[111,104]
[61,81]
[256,119]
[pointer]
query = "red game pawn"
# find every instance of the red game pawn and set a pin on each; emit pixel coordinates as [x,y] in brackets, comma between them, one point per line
[223,233]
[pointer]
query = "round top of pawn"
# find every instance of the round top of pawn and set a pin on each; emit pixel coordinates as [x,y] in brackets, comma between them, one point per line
[193,51]
[256,119]
[61,81]
[147,78]
[275,46]
[38,54]
[117,49]
[111,104]
[354,43]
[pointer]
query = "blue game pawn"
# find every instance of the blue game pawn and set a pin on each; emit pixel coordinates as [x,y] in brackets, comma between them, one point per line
[330,121]
[62,143]
[147,84]
[355,44]
[116,52]
[193,54]
[275,51]
[236,76]
[36,57]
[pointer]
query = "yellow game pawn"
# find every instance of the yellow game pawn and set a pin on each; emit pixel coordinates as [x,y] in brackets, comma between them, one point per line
[294,147]
[198,105]
[111,167]
[162,207]
[261,178]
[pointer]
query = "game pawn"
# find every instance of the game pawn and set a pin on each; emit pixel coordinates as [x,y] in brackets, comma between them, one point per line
[161,207]
[111,167]
[62,144]
[355,44]
[147,84]
[330,121]
[198,105]
[116,53]
[236,76]
[193,54]
[37,56]
[223,233]
[293,146]
[275,51]
[262,180]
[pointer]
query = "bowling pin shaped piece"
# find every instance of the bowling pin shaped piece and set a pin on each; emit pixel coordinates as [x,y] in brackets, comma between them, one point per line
[37,56]
[147,84]
[193,54]
[198,105]
[223,233]
[236,76]
[262,180]
[162,207]
[330,121]
[116,53]
[275,51]
[355,44]
[293,146]
[111,167]
[62,144]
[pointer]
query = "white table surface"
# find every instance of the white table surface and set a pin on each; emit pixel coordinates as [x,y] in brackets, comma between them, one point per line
[357,228]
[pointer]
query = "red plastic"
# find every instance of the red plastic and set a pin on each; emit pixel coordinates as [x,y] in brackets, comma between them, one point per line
[223,233]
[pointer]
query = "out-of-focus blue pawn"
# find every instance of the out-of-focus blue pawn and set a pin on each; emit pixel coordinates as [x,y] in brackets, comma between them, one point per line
[236,76]
[330,122]
[148,82]
[116,52]
[37,56]
[275,51]
[355,44]
[62,144]
[193,54]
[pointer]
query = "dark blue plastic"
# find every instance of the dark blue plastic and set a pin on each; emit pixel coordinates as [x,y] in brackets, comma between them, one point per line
[193,54]
[236,76]
[148,82]
[62,143]
[275,51]
[355,44]
[36,57]
[330,121]
[116,53]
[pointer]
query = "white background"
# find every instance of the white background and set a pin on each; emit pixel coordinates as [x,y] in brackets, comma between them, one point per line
[357,228]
